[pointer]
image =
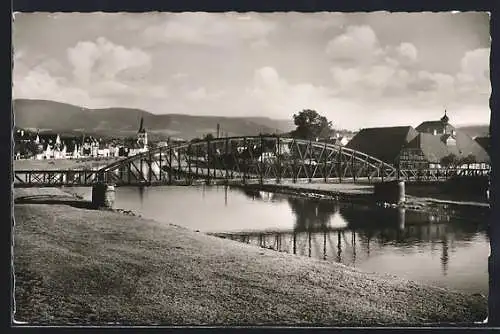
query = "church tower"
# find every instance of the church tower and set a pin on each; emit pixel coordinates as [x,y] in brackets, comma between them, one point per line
[445,118]
[142,135]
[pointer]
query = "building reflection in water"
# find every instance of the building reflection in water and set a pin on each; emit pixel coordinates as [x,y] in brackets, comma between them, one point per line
[348,233]
[225,194]
[141,194]
[444,255]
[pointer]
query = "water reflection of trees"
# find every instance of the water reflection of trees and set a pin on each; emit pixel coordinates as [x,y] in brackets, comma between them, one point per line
[366,226]
[387,226]
[312,214]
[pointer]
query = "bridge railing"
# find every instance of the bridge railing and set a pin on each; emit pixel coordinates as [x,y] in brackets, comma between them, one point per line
[48,178]
[248,158]
[439,174]
[261,158]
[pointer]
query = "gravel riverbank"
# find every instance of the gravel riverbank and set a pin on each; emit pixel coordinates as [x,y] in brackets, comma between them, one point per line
[81,266]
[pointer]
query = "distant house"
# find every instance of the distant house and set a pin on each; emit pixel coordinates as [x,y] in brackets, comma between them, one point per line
[24,144]
[384,143]
[440,127]
[423,147]
[89,146]
[422,152]
[455,141]
[50,146]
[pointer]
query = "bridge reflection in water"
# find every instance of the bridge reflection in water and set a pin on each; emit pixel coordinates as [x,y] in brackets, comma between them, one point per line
[348,233]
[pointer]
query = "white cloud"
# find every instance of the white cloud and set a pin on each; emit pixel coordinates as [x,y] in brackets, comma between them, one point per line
[202,94]
[104,60]
[475,71]
[277,97]
[372,72]
[360,46]
[102,72]
[38,83]
[358,43]
[408,51]
[209,28]
[106,69]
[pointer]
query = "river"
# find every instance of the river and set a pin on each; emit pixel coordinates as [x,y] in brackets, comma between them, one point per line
[448,250]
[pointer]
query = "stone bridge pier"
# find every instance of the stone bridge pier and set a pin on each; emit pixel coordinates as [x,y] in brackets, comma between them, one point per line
[392,192]
[103,195]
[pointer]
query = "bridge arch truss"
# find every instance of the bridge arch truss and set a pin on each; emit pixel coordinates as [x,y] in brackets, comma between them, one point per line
[247,159]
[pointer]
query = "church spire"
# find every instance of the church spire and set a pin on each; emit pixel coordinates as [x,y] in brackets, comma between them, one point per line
[445,118]
[141,126]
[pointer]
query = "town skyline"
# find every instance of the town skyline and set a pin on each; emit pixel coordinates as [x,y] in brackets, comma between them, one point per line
[355,69]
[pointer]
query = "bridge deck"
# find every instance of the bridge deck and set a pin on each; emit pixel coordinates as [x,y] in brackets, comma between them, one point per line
[266,159]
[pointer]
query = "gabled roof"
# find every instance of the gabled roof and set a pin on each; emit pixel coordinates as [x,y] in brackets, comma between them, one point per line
[466,146]
[484,142]
[430,126]
[432,147]
[383,143]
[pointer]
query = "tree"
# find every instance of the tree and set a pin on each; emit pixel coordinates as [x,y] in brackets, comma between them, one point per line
[129,142]
[209,136]
[311,125]
[451,160]
[468,160]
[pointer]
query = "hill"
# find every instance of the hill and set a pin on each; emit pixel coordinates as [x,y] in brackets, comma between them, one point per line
[121,122]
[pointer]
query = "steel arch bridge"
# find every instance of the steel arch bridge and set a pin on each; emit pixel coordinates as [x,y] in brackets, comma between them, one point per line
[256,159]
[247,159]
[233,159]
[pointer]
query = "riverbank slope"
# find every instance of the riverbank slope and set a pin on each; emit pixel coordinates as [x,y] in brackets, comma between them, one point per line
[63,164]
[81,266]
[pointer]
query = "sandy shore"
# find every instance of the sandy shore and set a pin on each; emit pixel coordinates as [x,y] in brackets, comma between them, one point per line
[81,266]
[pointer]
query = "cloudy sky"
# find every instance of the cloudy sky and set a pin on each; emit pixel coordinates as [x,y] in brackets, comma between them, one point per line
[359,70]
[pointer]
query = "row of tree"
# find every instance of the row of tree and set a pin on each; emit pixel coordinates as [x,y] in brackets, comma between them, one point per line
[452,160]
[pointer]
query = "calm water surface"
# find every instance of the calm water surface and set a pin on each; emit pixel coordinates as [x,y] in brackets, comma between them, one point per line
[448,249]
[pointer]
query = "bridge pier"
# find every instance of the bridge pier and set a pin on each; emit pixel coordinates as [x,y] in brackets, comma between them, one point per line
[103,195]
[392,192]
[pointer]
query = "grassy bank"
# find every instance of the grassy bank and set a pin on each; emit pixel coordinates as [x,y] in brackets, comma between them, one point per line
[54,164]
[75,265]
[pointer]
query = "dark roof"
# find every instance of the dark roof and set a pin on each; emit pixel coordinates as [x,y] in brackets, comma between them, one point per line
[382,143]
[432,147]
[430,126]
[466,146]
[484,142]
